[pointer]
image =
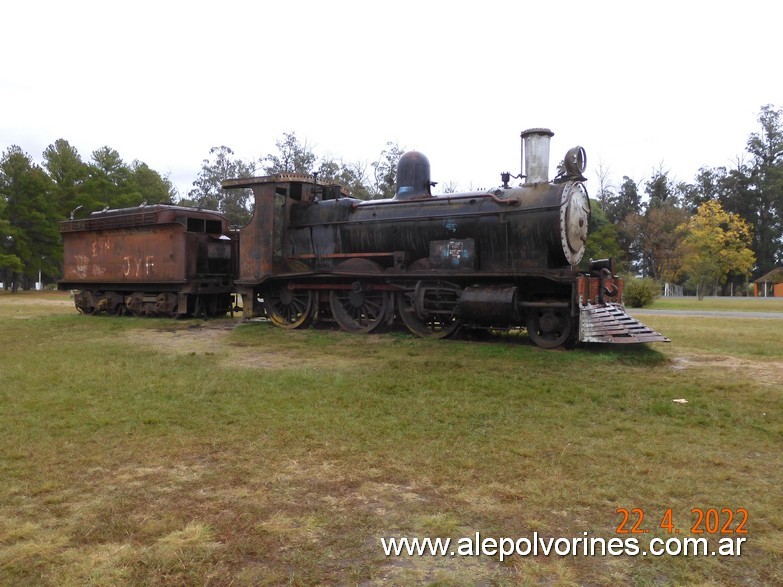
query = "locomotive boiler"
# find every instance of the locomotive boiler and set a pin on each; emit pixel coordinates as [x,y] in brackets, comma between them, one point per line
[151,260]
[502,258]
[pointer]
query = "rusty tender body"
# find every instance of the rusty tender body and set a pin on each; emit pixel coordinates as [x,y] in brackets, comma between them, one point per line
[150,260]
[504,258]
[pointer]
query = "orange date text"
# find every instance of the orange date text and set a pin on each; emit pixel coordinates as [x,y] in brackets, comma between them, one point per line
[702,521]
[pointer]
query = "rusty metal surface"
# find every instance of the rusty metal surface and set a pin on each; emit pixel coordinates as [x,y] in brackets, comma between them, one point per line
[278,234]
[155,263]
[145,216]
[611,324]
[128,255]
[256,238]
[144,245]
[599,288]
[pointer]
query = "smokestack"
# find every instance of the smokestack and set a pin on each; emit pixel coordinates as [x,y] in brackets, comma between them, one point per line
[535,154]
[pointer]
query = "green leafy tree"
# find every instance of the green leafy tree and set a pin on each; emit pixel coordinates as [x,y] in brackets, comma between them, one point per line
[606,192]
[208,192]
[110,182]
[293,156]
[31,236]
[654,238]
[354,175]
[351,175]
[708,185]
[65,167]
[108,167]
[732,189]
[385,171]
[753,188]
[106,181]
[659,189]
[10,263]
[626,201]
[715,244]
[764,209]
[617,207]
[150,185]
[603,239]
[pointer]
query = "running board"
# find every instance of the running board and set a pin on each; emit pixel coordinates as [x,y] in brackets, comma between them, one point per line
[610,324]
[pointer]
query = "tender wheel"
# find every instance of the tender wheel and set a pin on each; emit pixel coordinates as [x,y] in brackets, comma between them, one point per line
[359,310]
[84,303]
[432,326]
[288,308]
[550,327]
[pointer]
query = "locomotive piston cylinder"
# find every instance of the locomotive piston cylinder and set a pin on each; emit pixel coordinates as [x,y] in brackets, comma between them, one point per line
[489,305]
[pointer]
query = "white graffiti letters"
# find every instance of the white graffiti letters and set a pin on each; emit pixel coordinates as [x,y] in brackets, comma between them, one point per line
[81,265]
[138,266]
[100,245]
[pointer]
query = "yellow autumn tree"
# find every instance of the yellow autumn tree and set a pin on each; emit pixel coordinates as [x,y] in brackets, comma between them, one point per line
[715,244]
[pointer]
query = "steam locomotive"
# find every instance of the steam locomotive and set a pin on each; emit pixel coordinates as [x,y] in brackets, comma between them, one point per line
[503,259]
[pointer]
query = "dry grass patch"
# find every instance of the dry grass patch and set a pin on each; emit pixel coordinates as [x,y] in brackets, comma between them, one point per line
[144,452]
[214,338]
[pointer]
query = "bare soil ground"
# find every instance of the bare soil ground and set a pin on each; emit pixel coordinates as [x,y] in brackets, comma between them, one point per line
[214,338]
[764,372]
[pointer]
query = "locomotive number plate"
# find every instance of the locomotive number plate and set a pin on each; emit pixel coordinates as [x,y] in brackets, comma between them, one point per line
[453,254]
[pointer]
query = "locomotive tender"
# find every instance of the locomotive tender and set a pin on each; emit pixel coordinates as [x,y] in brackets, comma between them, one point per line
[504,258]
[151,260]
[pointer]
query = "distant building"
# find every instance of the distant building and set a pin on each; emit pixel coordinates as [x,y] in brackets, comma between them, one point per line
[769,285]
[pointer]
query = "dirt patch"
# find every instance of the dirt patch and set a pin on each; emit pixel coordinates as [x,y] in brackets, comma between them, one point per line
[213,338]
[392,510]
[764,372]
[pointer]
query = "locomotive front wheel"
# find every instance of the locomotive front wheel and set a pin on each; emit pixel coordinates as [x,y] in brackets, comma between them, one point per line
[550,327]
[288,308]
[359,310]
[433,326]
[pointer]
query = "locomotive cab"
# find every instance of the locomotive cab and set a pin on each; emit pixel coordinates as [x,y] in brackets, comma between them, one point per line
[275,242]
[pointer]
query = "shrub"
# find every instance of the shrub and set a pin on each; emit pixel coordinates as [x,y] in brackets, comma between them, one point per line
[639,292]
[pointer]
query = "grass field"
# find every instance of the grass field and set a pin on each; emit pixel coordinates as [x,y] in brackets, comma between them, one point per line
[145,451]
[727,304]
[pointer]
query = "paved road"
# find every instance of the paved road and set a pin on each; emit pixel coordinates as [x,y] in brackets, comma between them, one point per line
[712,313]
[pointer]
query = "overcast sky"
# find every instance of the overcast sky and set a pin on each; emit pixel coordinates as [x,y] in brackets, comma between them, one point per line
[640,85]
